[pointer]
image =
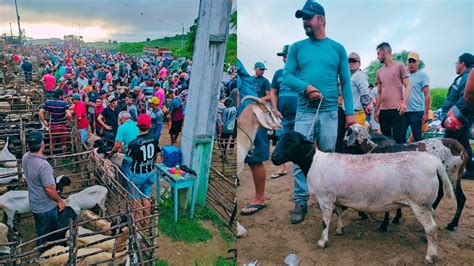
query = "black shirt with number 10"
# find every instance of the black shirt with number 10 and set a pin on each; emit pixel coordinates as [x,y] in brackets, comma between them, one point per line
[143,151]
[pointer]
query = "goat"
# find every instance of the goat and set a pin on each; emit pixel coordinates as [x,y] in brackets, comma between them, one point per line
[7,175]
[88,198]
[449,151]
[388,182]
[106,245]
[7,159]
[18,201]
[254,116]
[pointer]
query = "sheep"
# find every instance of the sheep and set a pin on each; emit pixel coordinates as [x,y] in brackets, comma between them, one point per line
[449,151]
[387,182]
[106,245]
[96,259]
[4,250]
[88,198]
[96,224]
[18,201]
[254,116]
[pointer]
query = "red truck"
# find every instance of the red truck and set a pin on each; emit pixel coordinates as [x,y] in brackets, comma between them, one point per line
[157,51]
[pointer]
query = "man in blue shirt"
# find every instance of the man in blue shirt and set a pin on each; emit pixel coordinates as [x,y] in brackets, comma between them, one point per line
[313,69]
[284,100]
[126,132]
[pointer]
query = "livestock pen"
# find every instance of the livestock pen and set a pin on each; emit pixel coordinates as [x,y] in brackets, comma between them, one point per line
[86,169]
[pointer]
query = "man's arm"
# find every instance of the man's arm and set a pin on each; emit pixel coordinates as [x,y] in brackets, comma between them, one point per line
[53,194]
[406,95]
[363,88]
[346,88]
[289,72]
[469,90]
[426,92]
[100,119]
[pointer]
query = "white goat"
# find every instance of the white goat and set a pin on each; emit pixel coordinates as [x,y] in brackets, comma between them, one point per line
[254,116]
[106,245]
[385,183]
[6,155]
[7,175]
[88,198]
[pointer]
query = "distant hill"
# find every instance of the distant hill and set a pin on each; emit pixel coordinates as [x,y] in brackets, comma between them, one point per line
[172,43]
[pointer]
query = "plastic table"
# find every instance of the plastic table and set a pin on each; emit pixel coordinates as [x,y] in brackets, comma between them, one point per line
[185,181]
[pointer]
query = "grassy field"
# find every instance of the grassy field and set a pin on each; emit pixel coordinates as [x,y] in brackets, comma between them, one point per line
[438,96]
[172,43]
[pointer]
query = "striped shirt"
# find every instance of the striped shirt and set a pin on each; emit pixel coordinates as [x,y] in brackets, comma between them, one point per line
[57,110]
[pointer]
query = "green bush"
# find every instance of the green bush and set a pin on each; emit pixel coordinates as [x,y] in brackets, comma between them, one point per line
[438,96]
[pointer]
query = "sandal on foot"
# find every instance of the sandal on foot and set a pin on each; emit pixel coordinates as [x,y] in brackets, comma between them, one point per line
[277,175]
[256,207]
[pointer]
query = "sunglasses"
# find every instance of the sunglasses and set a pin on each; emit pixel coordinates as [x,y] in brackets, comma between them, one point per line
[411,60]
[352,60]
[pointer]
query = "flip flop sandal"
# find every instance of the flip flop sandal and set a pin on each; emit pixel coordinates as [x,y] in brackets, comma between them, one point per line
[277,175]
[257,208]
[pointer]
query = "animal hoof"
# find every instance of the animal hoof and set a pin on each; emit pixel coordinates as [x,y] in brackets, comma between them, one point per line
[450,227]
[340,232]
[430,259]
[322,243]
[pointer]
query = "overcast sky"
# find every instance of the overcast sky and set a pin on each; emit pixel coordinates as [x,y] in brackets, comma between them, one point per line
[439,30]
[121,20]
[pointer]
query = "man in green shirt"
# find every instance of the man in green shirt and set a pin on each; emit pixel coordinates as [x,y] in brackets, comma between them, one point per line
[313,69]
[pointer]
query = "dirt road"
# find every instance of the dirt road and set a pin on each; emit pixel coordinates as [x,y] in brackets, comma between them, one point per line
[271,237]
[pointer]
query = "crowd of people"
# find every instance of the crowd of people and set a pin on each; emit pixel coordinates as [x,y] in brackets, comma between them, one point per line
[319,79]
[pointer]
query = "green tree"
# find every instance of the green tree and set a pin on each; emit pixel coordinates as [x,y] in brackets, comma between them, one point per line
[233,20]
[374,66]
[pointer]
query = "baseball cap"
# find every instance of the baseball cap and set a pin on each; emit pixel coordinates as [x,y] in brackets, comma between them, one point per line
[102,92]
[310,8]
[260,66]
[111,98]
[284,51]
[354,56]
[144,121]
[413,55]
[154,100]
[76,96]
[34,138]
[58,93]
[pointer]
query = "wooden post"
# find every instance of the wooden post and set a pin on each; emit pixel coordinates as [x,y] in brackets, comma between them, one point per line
[203,96]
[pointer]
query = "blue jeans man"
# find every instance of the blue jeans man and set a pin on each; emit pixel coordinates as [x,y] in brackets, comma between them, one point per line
[325,133]
[45,222]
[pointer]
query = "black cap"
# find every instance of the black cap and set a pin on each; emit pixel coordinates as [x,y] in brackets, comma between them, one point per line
[34,138]
[310,9]
[467,59]
[58,93]
[284,51]
[102,92]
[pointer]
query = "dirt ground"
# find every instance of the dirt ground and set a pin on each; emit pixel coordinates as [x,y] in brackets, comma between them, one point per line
[271,236]
[180,253]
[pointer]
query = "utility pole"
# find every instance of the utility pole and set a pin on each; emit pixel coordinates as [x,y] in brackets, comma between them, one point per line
[201,109]
[18,19]
[182,36]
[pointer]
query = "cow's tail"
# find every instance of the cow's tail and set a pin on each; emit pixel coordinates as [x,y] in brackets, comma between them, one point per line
[443,176]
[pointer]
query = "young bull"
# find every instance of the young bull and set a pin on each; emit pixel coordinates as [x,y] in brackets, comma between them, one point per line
[449,151]
[387,182]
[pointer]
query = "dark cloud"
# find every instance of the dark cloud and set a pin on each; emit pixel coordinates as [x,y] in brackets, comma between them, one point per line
[133,20]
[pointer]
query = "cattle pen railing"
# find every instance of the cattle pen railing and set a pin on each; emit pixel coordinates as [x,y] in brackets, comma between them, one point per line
[86,169]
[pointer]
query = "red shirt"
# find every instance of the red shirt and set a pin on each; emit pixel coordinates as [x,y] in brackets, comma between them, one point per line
[49,82]
[81,114]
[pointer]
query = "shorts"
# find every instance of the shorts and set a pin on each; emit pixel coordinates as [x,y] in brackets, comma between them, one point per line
[59,133]
[261,151]
[144,182]
[360,117]
[176,127]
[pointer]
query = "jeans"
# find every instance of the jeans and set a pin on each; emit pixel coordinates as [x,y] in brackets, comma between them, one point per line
[325,128]
[391,124]
[83,134]
[414,120]
[126,168]
[45,222]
